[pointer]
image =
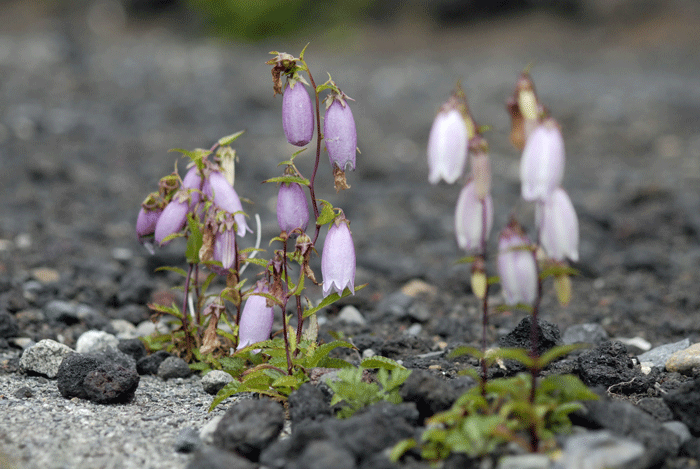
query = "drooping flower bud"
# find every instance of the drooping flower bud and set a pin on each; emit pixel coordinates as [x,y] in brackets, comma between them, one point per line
[558,225]
[297,114]
[148,216]
[480,166]
[225,247]
[217,188]
[292,208]
[340,134]
[256,318]
[173,218]
[470,218]
[338,261]
[542,163]
[447,147]
[516,266]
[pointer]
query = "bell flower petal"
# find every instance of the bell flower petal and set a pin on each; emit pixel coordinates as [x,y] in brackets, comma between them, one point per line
[340,135]
[559,234]
[292,208]
[297,114]
[447,147]
[469,218]
[338,262]
[542,163]
[516,267]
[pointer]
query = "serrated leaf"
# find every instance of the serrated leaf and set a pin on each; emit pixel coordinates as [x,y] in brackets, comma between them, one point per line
[331,362]
[330,299]
[194,241]
[327,214]
[289,179]
[381,362]
[229,139]
[227,391]
[323,350]
[288,381]
[168,268]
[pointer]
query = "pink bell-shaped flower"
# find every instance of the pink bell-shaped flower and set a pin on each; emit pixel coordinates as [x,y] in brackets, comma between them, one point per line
[217,188]
[447,146]
[173,218]
[338,261]
[146,222]
[292,208]
[340,135]
[256,319]
[516,266]
[542,163]
[193,181]
[558,224]
[470,218]
[297,114]
[225,248]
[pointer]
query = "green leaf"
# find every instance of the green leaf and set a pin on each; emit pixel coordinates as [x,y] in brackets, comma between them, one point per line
[466,350]
[327,214]
[322,352]
[381,362]
[557,352]
[229,390]
[195,155]
[177,270]
[194,241]
[229,139]
[517,354]
[288,381]
[329,362]
[330,299]
[400,449]
[465,260]
[289,179]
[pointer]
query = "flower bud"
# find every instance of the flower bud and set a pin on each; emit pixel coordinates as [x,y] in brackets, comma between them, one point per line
[340,135]
[516,266]
[225,248]
[297,114]
[173,218]
[542,163]
[217,188]
[447,146]
[469,218]
[481,166]
[146,222]
[292,208]
[558,225]
[338,261]
[256,319]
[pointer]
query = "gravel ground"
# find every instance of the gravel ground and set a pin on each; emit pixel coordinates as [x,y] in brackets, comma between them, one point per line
[92,101]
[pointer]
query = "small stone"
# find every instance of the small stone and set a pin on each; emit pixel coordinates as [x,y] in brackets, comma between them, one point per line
[8,325]
[95,378]
[210,457]
[520,337]
[61,312]
[215,380]
[350,315]
[658,356]
[593,334]
[430,394]
[635,344]
[684,402]
[308,402]
[124,329]
[44,358]
[25,392]
[418,287]
[46,275]
[605,365]
[149,365]
[249,426]
[524,461]
[368,353]
[132,347]
[94,341]
[680,429]
[414,330]
[599,449]
[173,367]
[187,441]
[685,360]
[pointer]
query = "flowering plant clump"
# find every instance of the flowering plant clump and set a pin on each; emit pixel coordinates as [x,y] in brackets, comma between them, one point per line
[230,327]
[523,409]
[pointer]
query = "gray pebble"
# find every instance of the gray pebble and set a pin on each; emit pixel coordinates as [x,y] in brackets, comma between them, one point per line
[350,315]
[215,380]
[599,449]
[94,341]
[174,367]
[593,334]
[44,358]
[658,356]
[187,440]
[684,360]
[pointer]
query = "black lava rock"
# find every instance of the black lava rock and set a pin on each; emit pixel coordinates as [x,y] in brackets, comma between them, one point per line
[249,426]
[684,402]
[548,336]
[173,367]
[625,419]
[149,365]
[8,325]
[133,347]
[211,457]
[605,365]
[89,376]
[308,402]
[430,394]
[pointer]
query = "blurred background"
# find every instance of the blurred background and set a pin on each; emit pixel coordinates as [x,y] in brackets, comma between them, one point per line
[93,94]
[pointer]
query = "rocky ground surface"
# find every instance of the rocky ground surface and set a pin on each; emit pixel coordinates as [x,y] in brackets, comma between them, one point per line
[93,99]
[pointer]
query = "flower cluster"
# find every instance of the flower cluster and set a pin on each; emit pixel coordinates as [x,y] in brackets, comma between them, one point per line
[204,208]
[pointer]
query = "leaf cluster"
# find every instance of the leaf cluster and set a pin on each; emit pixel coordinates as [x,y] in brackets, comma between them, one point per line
[355,392]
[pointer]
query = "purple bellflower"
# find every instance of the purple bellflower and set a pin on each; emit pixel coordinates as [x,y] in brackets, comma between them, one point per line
[469,218]
[217,188]
[516,266]
[542,163]
[292,208]
[338,261]
[297,114]
[193,180]
[173,218]
[256,319]
[146,222]
[558,225]
[340,135]
[225,247]
[447,146]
